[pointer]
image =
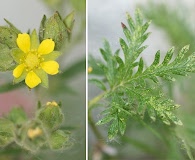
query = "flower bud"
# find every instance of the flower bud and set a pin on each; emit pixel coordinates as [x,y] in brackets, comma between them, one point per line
[55,29]
[50,115]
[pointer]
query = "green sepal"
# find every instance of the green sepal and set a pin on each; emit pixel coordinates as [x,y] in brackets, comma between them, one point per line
[21,78]
[59,140]
[69,23]
[43,76]
[51,56]
[17,116]
[17,54]
[34,40]
[12,27]
[51,116]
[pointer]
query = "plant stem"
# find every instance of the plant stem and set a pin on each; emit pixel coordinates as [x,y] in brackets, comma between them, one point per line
[94,128]
[95,100]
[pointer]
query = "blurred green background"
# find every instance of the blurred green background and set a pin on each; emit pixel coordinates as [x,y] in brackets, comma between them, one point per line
[173,24]
[68,87]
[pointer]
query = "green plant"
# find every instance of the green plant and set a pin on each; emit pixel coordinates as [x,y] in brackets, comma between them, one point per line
[132,91]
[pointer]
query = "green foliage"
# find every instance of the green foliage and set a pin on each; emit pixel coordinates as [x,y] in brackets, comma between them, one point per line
[8,35]
[57,29]
[41,132]
[134,89]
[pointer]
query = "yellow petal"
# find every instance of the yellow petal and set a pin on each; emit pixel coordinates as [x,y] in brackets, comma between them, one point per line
[46,47]
[32,80]
[23,42]
[50,67]
[18,70]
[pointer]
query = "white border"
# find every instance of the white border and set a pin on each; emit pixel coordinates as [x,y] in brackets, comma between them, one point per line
[86,79]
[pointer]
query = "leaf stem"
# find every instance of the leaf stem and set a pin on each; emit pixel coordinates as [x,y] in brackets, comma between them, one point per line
[95,100]
[94,127]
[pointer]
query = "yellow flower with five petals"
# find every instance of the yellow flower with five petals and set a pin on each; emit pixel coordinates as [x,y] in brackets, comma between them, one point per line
[35,60]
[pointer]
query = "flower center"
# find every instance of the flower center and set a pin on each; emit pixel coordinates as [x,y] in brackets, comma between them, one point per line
[32,60]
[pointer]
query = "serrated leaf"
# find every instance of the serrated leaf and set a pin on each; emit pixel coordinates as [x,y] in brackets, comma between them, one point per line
[98,83]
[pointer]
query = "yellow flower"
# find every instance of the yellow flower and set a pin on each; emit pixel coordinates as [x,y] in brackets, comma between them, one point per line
[33,133]
[34,60]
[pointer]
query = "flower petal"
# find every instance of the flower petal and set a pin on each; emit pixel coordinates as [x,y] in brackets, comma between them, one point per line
[23,42]
[50,67]
[32,80]
[17,54]
[46,47]
[34,40]
[18,70]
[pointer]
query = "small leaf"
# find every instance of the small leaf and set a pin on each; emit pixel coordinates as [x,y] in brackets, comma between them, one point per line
[145,27]
[17,115]
[138,18]
[156,59]
[105,120]
[182,53]
[59,140]
[98,83]
[168,56]
[140,67]
[6,132]
[122,126]
[113,129]
[104,54]
[130,22]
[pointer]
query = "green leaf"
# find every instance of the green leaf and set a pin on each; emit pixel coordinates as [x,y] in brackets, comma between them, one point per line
[17,116]
[59,140]
[168,56]
[7,62]
[6,132]
[98,83]
[105,120]
[113,129]
[122,126]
